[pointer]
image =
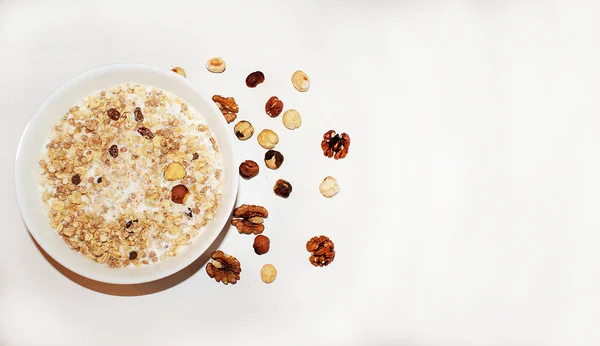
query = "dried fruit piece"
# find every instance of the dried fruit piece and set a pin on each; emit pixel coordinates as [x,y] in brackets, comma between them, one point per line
[261,244]
[267,139]
[174,171]
[300,81]
[335,145]
[282,188]
[268,273]
[248,219]
[291,119]
[76,179]
[216,65]
[254,79]
[113,150]
[243,130]
[139,116]
[273,107]
[224,268]
[145,132]
[321,249]
[329,187]
[179,194]
[273,159]
[179,70]
[132,255]
[248,169]
[227,106]
[113,114]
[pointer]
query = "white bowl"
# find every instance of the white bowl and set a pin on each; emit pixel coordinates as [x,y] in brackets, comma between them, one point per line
[29,153]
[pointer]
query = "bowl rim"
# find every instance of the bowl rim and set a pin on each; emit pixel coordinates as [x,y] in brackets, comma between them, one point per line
[18,165]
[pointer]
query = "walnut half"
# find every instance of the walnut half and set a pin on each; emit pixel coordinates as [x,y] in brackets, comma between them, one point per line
[227,106]
[224,268]
[248,219]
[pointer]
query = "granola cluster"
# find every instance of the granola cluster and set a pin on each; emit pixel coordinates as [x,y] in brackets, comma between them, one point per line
[111,167]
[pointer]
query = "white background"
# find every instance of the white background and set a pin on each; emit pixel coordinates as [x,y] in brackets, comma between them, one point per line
[468,211]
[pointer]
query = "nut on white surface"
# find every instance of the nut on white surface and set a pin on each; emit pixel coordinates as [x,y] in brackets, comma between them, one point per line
[268,139]
[291,119]
[329,187]
[300,81]
[216,65]
[268,273]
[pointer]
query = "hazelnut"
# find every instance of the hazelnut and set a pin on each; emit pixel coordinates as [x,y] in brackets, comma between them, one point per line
[291,119]
[267,139]
[179,70]
[243,130]
[174,171]
[268,273]
[254,79]
[282,188]
[273,159]
[329,187]
[273,107]
[179,194]
[300,81]
[216,65]
[261,244]
[248,169]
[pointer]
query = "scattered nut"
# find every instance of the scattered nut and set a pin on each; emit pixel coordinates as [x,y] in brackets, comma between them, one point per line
[268,273]
[329,187]
[267,139]
[300,81]
[179,70]
[334,145]
[243,130]
[224,268]
[174,171]
[273,159]
[248,169]
[113,150]
[321,249]
[247,211]
[291,119]
[179,194]
[113,114]
[254,79]
[248,219]
[261,244]
[228,107]
[139,116]
[247,227]
[282,188]
[216,65]
[76,179]
[273,107]
[145,132]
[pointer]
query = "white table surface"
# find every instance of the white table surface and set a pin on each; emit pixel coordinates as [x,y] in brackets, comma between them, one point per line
[468,211]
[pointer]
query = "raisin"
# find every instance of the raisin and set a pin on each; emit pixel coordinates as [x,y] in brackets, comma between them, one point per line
[132,255]
[144,131]
[99,180]
[139,117]
[128,224]
[113,150]
[114,114]
[189,213]
[195,156]
[76,179]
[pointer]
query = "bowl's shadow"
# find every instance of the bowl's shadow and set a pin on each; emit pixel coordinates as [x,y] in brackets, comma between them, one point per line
[143,288]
